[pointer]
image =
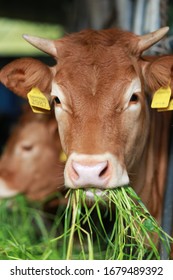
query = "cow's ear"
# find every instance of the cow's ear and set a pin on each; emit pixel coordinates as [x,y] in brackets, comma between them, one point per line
[158,72]
[21,75]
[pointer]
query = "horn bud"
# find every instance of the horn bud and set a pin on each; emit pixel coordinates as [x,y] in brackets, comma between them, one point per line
[42,44]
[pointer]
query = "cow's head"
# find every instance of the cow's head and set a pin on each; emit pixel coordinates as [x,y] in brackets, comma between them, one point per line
[97,87]
[30,163]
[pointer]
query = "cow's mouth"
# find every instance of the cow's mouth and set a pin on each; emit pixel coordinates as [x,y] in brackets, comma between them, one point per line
[93,194]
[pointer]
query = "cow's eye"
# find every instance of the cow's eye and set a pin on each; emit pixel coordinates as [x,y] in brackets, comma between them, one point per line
[134,98]
[27,147]
[56,100]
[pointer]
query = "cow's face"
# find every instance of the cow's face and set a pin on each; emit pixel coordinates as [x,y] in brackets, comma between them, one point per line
[102,115]
[100,105]
[30,163]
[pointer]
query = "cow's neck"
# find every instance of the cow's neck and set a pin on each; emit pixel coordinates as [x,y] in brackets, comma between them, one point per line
[151,171]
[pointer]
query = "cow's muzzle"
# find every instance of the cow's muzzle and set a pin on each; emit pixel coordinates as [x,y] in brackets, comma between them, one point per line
[97,171]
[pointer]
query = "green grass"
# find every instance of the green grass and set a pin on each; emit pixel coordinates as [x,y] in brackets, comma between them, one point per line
[119,227]
[26,231]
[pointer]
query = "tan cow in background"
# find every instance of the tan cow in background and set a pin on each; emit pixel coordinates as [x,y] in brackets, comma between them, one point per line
[102,88]
[31,162]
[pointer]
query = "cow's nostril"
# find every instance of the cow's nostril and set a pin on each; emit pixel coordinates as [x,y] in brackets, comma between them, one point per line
[74,172]
[103,173]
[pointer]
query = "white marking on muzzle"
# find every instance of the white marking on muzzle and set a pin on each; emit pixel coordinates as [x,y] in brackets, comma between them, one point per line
[98,171]
[5,191]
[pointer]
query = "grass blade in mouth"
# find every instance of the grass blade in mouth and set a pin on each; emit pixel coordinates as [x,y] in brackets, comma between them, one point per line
[130,231]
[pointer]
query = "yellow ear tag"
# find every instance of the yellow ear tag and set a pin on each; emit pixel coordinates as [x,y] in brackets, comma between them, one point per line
[62,157]
[38,101]
[169,108]
[161,98]
[39,110]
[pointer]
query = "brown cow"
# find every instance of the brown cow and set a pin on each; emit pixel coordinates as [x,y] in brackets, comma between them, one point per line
[102,88]
[30,163]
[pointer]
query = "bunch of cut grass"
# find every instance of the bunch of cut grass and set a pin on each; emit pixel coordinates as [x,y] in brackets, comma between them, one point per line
[118,227]
[114,226]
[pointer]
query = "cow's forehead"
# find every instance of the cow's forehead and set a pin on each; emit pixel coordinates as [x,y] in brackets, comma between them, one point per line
[23,132]
[97,80]
[92,57]
[95,63]
[96,42]
[96,60]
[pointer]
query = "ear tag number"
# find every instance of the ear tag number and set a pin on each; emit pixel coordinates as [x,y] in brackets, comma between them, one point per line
[161,98]
[38,101]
